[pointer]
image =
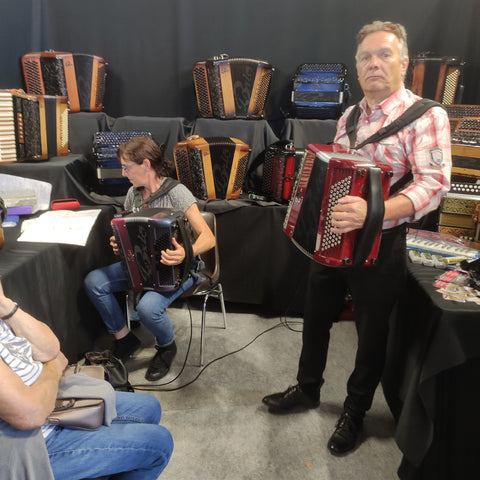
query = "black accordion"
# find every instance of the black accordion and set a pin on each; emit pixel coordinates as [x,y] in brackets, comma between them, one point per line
[280,167]
[33,127]
[77,76]
[229,88]
[328,173]
[319,90]
[212,167]
[437,78]
[141,237]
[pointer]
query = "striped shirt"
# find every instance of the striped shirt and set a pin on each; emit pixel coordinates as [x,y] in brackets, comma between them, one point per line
[423,147]
[16,352]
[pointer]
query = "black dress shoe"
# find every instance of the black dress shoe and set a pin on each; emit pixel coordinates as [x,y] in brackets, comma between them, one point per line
[292,399]
[162,361]
[345,436]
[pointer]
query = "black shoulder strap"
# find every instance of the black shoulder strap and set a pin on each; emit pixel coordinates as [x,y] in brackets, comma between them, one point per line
[166,186]
[412,113]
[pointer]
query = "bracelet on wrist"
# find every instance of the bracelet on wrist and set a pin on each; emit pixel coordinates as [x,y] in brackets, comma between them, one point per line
[12,313]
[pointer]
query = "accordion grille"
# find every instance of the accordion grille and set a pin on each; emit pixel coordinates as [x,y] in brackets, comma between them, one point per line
[322,68]
[201,87]
[241,172]
[33,77]
[183,170]
[450,87]
[62,130]
[31,125]
[261,97]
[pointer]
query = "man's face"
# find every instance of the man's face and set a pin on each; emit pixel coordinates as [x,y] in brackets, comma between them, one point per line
[379,68]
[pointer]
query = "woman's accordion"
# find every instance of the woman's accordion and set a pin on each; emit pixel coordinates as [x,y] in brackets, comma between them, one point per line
[141,237]
[79,77]
[212,167]
[328,173]
[229,88]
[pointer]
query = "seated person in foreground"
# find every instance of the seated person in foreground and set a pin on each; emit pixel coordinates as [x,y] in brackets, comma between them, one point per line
[147,169]
[133,447]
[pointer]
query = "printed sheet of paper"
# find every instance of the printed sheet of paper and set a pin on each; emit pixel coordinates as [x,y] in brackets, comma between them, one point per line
[60,226]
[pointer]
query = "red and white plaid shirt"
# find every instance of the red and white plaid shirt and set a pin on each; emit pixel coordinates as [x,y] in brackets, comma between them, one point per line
[422,147]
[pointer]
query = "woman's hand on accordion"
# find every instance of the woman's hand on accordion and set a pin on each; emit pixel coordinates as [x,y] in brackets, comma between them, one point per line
[114,245]
[173,256]
[349,214]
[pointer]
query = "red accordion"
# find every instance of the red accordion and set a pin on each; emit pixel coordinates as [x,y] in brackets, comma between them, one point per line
[279,171]
[328,173]
[141,237]
[77,76]
[229,88]
[212,167]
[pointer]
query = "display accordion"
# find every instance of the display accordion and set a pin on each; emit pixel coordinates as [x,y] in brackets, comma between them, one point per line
[319,90]
[437,78]
[105,146]
[212,167]
[38,136]
[79,77]
[141,237]
[279,171]
[229,88]
[328,173]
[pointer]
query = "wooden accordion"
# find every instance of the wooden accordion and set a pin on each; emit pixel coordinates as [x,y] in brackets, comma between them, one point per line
[230,88]
[279,171]
[328,173]
[141,237]
[77,76]
[212,167]
[32,127]
[437,78]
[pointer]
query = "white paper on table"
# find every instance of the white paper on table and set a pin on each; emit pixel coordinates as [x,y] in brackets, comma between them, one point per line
[60,226]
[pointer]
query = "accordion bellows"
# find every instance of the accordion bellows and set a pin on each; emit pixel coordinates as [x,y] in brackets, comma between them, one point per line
[77,76]
[32,127]
[229,88]
[212,167]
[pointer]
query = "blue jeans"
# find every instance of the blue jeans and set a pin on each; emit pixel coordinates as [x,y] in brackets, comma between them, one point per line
[101,286]
[133,447]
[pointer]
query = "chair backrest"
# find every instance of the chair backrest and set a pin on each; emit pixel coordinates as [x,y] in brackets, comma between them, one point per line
[211,272]
[211,258]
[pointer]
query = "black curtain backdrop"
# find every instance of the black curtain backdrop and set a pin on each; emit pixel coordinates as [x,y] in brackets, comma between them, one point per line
[151,45]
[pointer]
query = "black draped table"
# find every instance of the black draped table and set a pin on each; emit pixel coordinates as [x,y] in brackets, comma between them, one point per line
[46,280]
[430,381]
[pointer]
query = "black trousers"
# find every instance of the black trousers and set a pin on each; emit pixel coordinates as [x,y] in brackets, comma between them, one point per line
[374,292]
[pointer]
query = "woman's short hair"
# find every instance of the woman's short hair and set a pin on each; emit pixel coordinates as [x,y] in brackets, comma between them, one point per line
[138,149]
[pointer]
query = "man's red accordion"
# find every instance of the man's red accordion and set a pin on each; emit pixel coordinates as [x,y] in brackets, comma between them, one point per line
[229,88]
[328,173]
[79,77]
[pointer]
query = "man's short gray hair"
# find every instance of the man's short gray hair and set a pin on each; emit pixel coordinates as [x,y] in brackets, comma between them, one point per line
[379,26]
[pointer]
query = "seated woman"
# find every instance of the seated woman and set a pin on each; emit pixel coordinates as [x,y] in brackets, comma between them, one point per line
[134,446]
[147,169]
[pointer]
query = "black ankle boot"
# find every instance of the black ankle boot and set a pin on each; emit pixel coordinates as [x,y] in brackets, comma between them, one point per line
[125,347]
[160,364]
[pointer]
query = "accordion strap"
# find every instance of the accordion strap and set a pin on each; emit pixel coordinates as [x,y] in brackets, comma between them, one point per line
[167,184]
[412,113]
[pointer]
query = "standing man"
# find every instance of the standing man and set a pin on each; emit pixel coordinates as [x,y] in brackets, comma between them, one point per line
[422,148]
